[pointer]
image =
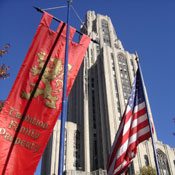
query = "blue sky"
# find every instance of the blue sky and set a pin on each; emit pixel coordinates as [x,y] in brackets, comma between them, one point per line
[146,26]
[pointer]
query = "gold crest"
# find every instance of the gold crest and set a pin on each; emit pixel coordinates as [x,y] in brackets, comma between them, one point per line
[52,80]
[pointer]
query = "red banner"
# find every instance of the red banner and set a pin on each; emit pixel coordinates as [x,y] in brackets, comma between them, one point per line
[45,106]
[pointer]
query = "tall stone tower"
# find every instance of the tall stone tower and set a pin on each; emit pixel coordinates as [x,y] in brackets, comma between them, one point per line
[96,104]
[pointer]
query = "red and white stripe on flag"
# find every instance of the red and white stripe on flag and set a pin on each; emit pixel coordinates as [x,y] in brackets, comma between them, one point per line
[134,128]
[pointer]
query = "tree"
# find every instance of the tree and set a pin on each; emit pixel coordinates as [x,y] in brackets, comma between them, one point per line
[147,170]
[3,68]
[1,105]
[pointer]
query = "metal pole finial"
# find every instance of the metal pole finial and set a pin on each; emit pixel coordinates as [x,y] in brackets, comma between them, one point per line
[137,57]
[69,1]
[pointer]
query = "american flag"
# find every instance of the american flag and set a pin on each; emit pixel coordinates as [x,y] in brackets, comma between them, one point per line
[134,129]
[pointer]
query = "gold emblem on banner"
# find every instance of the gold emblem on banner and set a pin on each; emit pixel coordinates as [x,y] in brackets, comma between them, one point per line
[52,80]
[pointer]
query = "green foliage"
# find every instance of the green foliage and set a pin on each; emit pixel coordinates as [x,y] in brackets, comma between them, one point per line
[4,50]
[1,105]
[147,170]
[3,68]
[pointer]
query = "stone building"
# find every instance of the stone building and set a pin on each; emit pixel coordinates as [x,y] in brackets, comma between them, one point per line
[96,104]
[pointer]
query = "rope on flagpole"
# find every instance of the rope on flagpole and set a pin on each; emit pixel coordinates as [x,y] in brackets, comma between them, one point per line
[83,24]
[53,8]
[78,17]
[150,125]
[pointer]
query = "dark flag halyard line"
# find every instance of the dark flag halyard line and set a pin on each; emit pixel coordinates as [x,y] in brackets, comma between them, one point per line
[134,128]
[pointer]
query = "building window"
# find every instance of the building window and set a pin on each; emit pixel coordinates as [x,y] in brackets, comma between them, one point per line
[92,56]
[95,151]
[163,163]
[94,28]
[115,83]
[131,170]
[105,31]
[93,102]
[116,46]
[98,49]
[146,160]
[124,74]
[76,153]
[174,162]
[132,64]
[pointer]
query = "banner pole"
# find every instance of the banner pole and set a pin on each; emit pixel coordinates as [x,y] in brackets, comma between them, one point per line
[64,97]
[152,138]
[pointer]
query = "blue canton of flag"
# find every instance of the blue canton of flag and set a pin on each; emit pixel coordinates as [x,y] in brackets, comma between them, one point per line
[137,93]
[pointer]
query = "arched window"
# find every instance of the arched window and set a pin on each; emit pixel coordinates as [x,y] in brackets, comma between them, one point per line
[77,149]
[163,163]
[124,74]
[105,31]
[146,160]
[131,170]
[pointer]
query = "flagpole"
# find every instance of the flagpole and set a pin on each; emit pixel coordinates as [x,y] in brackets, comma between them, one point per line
[64,97]
[152,138]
